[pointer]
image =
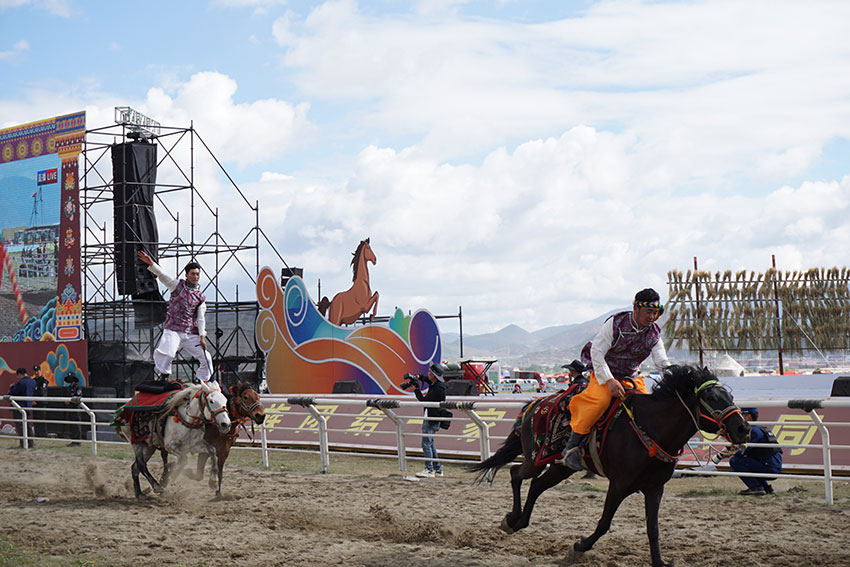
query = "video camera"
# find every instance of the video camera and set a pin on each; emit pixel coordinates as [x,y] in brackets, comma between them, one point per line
[412,380]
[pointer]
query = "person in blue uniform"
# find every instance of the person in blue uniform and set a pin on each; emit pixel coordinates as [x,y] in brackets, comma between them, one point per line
[25,386]
[766,460]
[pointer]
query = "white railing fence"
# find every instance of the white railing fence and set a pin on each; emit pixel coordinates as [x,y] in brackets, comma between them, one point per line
[477,417]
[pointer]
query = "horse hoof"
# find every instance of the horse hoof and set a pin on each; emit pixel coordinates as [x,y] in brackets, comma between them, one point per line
[505,527]
[581,545]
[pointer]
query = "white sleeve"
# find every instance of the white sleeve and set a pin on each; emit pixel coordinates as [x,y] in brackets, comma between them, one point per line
[169,282]
[601,345]
[202,319]
[659,355]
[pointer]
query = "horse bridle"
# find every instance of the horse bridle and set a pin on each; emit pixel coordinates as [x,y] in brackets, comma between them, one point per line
[705,411]
[248,410]
[198,421]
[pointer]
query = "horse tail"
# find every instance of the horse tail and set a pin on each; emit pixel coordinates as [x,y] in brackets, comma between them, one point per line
[324,303]
[506,454]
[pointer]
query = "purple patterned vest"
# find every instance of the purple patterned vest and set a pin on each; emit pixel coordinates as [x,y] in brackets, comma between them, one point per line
[630,346]
[182,307]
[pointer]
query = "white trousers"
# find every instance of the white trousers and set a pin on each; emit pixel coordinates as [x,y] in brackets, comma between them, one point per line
[171,342]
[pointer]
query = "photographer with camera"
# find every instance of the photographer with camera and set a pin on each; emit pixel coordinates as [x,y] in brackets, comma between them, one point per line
[436,392]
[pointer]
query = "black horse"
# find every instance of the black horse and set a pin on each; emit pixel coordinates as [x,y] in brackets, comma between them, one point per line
[666,419]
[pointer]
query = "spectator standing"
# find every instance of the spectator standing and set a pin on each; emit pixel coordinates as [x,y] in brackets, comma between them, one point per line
[766,460]
[25,386]
[436,393]
[40,390]
[73,390]
[576,370]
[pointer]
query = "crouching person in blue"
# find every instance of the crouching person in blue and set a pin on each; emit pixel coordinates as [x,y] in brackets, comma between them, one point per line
[766,460]
[436,392]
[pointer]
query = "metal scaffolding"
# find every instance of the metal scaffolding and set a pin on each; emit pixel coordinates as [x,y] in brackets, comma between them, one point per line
[225,242]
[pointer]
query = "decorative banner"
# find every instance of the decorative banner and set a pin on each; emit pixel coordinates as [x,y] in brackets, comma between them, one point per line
[307,354]
[40,224]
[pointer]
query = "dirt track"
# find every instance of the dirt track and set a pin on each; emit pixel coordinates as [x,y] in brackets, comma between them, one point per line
[379,519]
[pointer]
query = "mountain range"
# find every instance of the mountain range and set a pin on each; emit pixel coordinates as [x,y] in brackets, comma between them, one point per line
[548,348]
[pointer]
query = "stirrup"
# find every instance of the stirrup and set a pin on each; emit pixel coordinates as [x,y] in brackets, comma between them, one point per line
[562,460]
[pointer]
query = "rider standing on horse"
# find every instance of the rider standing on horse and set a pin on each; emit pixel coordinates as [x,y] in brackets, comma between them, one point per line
[185,323]
[625,340]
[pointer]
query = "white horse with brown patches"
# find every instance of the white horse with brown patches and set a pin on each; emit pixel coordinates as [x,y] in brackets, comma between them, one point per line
[178,429]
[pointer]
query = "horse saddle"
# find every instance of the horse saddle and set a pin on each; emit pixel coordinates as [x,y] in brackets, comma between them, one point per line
[551,423]
[158,387]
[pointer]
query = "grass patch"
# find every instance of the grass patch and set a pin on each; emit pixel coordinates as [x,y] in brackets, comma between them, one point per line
[696,492]
[12,555]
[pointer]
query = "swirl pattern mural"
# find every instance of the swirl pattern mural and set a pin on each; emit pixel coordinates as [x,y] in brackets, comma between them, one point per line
[307,354]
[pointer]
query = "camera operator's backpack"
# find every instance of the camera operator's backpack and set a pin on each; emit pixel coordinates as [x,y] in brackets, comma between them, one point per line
[764,453]
[444,413]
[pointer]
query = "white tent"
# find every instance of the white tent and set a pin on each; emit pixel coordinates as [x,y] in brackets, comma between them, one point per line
[727,366]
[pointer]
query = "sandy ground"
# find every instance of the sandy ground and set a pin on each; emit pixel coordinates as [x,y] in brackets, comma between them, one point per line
[375,518]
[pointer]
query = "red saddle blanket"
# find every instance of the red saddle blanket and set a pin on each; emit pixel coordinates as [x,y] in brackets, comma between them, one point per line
[551,424]
[142,412]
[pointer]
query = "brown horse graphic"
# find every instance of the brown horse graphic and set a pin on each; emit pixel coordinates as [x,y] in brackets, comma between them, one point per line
[347,306]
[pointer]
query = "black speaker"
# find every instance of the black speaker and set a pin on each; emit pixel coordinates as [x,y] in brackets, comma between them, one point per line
[841,387]
[347,387]
[461,388]
[286,273]
[134,182]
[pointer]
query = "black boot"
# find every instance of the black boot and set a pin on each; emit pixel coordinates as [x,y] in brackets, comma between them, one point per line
[573,460]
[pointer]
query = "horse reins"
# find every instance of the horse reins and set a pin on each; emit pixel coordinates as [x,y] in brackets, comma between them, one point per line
[717,417]
[198,421]
[652,447]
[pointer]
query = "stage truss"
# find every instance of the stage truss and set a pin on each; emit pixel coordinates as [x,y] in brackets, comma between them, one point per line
[226,241]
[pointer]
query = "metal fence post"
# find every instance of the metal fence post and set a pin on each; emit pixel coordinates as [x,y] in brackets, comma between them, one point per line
[827,456]
[24,428]
[93,425]
[399,433]
[484,433]
[264,445]
[323,435]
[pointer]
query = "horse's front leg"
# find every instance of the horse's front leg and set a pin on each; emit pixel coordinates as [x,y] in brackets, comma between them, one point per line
[221,460]
[652,503]
[374,303]
[165,476]
[212,454]
[202,462]
[613,500]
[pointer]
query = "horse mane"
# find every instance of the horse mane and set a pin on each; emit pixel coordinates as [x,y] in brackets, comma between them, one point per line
[181,396]
[683,379]
[355,261]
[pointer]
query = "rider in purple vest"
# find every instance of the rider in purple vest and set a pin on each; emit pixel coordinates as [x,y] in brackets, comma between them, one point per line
[616,353]
[185,323]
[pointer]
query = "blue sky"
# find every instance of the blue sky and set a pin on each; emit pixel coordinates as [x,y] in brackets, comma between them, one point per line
[535,162]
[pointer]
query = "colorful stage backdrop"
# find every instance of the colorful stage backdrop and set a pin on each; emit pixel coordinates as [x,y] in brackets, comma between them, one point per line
[40,294]
[308,354]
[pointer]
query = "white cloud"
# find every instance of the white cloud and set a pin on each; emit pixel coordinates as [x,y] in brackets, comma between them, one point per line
[17,48]
[556,231]
[707,88]
[249,132]
[61,8]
